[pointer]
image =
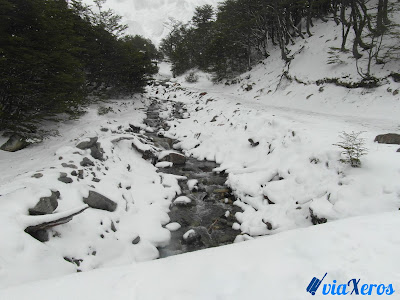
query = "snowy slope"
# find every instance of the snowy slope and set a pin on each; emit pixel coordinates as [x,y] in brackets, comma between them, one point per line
[96,238]
[293,175]
[275,267]
[147,17]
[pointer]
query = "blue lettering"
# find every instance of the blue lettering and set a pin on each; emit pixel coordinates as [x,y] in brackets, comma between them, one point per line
[389,290]
[379,291]
[371,287]
[324,289]
[364,289]
[343,290]
[333,288]
[355,285]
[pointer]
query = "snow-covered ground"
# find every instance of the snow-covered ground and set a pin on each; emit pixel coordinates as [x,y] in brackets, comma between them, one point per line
[293,173]
[274,140]
[96,238]
[275,267]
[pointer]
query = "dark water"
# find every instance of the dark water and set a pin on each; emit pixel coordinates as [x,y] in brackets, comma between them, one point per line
[211,213]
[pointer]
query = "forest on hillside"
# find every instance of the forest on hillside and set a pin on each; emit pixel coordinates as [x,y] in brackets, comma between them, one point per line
[55,55]
[240,33]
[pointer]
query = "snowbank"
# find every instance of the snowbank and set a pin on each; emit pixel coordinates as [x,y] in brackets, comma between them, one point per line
[274,267]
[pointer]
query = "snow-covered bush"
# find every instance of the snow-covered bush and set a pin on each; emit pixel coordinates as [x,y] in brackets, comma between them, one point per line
[192,77]
[102,110]
[353,148]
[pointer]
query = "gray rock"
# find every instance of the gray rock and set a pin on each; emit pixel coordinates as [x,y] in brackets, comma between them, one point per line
[315,219]
[14,143]
[136,240]
[147,154]
[113,228]
[248,88]
[96,200]
[192,238]
[87,145]
[41,235]
[134,128]
[398,150]
[37,175]
[72,166]
[86,162]
[252,143]
[65,179]
[175,158]
[269,225]
[97,152]
[46,205]
[39,231]
[388,138]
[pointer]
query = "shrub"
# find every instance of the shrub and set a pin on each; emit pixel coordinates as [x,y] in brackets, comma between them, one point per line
[102,110]
[192,77]
[353,148]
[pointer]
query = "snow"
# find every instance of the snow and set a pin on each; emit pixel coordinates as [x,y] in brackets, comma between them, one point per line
[182,199]
[188,233]
[173,226]
[192,184]
[277,267]
[295,167]
[236,226]
[164,164]
[142,198]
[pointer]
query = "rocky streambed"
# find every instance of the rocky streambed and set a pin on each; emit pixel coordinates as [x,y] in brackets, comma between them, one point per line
[204,210]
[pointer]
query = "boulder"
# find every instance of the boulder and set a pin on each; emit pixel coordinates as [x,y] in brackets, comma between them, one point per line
[14,143]
[46,205]
[388,138]
[72,166]
[134,128]
[252,143]
[63,178]
[97,152]
[398,150]
[42,235]
[191,236]
[87,144]
[38,229]
[86,162]
[136,240]
[175,158]
[96,200]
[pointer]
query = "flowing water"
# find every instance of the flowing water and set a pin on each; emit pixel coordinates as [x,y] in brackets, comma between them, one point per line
[211,212]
